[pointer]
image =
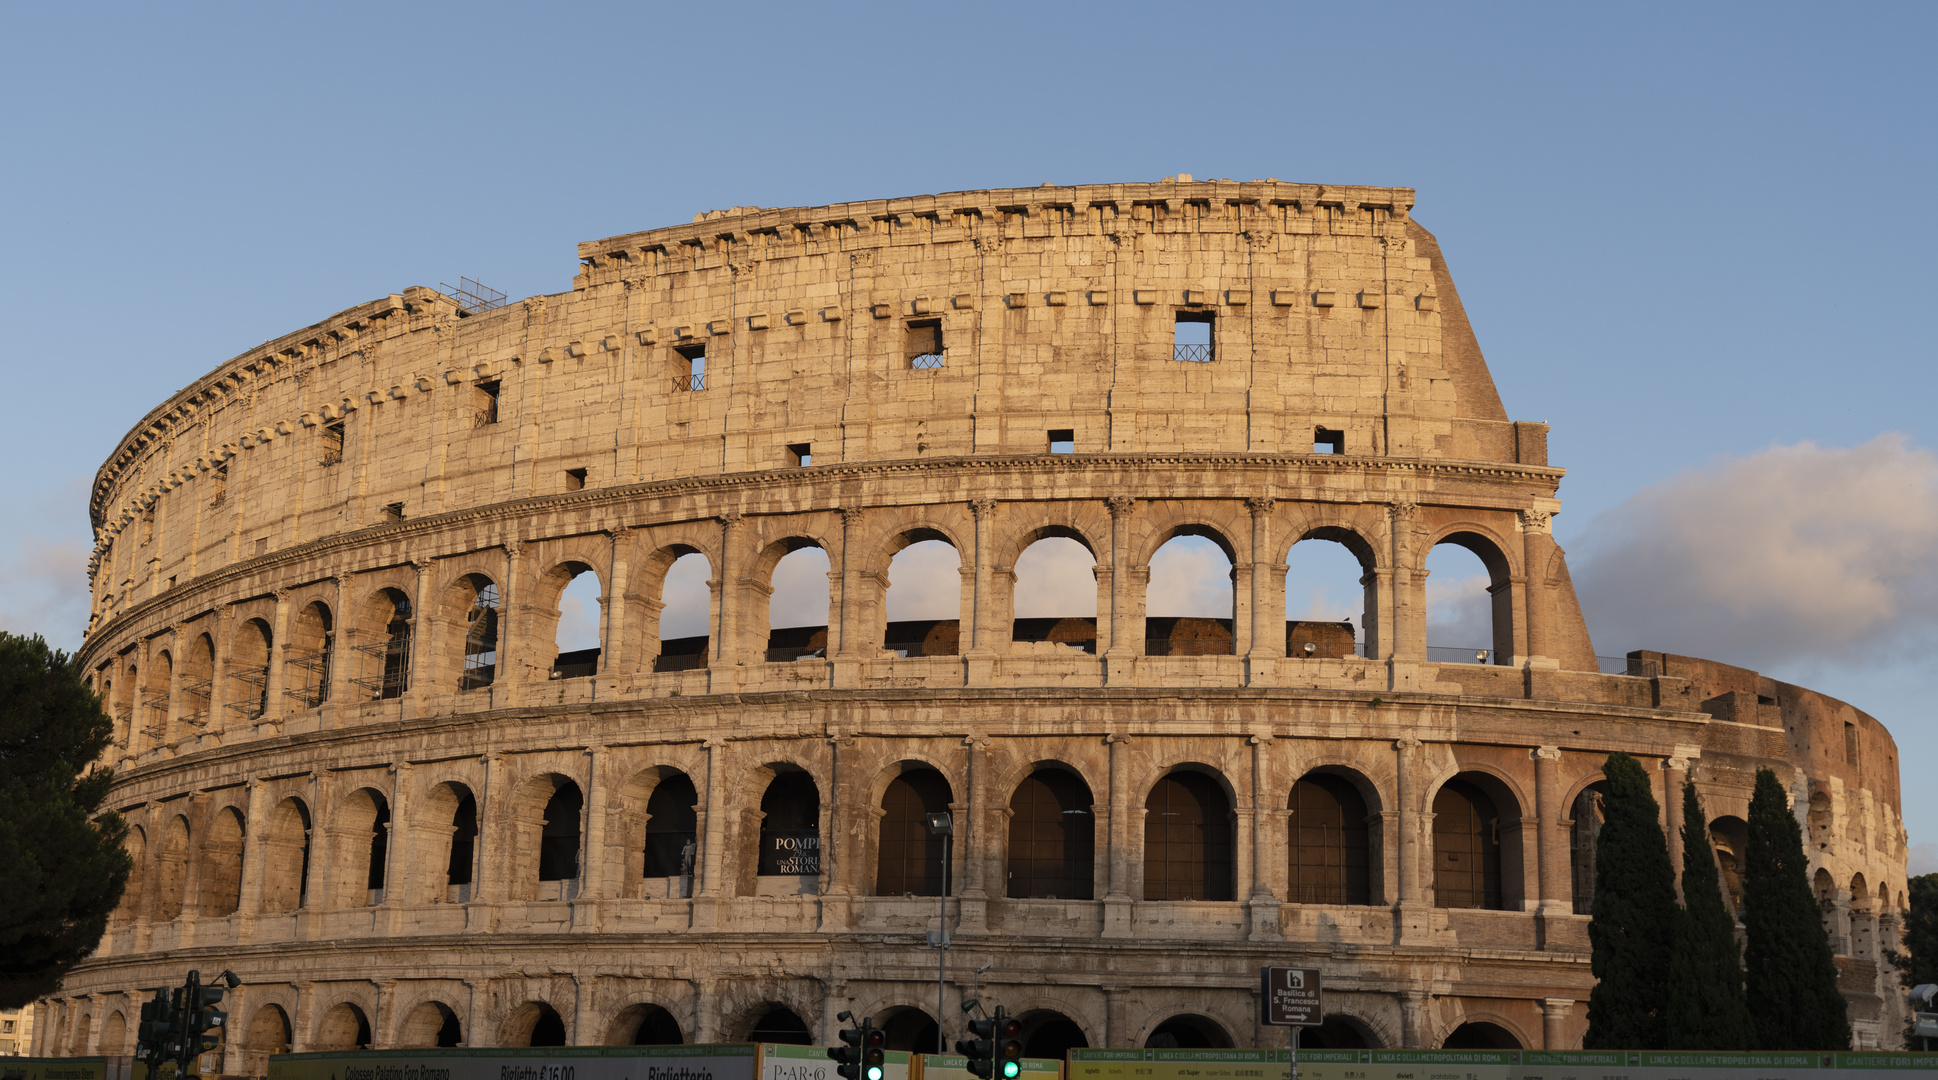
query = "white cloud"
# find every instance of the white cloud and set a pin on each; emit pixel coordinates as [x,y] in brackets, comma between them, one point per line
[925,582]
[1190,576]
[801,589]
[1056,578]
[579,614]
[687,598]
[43,590]
[1460,613]
[1803,555]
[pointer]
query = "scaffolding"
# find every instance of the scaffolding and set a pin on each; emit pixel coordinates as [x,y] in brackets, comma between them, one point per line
[194,692]
[251,705]
[155,702]
[392,659]
[474,298]
[309,676]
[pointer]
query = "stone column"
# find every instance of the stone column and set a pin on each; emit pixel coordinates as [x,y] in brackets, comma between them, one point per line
[616,650]
[1267,643]
[222,637]
[198,825]
[1554,1023]
[728,649]
[1400,601]
[514,652]
[400,851]
[98,1009]
[1674,772]
[278,645]
[1415,915]
[981,657]
[976,841]
[1117,898]
[340,643]
[837,900]
[1121,658]
[711,889]
[383,1035]
[1264,906]
[318,886]
[1553,885]
[172,714]
[1413,1019]
[303,1024]
[1537,546]
[424,643]
[844,616]
[255,846]
[592,846]
[488,882]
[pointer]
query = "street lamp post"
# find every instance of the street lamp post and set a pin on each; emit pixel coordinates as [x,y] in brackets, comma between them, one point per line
[942,825]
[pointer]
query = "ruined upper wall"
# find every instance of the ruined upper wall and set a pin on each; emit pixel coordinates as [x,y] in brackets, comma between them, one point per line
[1056,309]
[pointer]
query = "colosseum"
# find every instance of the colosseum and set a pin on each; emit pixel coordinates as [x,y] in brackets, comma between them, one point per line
[363,774]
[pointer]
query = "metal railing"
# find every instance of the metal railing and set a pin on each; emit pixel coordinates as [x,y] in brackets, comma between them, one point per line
[690,383]
[680,662]
[906,649]
[925,362]
[1624,665]
[793,653]
[1327,894]
[1191,354]
[1451,654]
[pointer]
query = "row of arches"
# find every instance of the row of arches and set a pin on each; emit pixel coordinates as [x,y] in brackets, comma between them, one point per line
[435,1023]
[1334,847]
[912,597]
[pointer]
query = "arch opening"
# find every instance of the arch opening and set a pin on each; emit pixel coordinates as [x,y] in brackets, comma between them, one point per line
[923,605]
[431,1024]
[534,1023]
[344,1027]
[1055,598]
[1338,1032]
[197,683]
[385,669]
[306,662]
[1188,839]
[1480,1035]
[789,856]
[1330,597]
[780,1024]
[911,1029]
[1329,842]
[1476,830]
[672,835]
[268,1033]
[114,1034]
[365,825]
[478,596]
[797,610]
[1730,836]
[1050,1034]
[1189,603]
[460,866]
[1188,1032]
[222,865]
[645,1025]
[286,858]
[908,860]
[1584,836]
[685,617]
[172,863]
[1470,602]
[580,617]
[136,845]
[558,843]
[1052,837]
[249,669]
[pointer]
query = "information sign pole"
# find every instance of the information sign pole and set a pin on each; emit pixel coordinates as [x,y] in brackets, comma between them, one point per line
[1291,997]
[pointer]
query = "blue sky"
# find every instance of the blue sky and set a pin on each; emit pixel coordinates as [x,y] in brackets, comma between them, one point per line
[1694,238]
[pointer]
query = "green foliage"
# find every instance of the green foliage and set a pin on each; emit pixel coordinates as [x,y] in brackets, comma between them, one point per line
[1792,981]
[1634,916]
[1918,963]
[1707,1010]
[64,867]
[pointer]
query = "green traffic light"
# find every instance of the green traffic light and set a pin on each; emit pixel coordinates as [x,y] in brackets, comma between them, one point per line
[874,1072]
[1011,1070]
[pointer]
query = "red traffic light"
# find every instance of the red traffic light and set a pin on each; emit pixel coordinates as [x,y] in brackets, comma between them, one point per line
[876,1036]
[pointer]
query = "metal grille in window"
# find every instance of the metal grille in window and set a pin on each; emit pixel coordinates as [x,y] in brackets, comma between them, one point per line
[332,444]
[1192,354]
[695,381]
[925,362]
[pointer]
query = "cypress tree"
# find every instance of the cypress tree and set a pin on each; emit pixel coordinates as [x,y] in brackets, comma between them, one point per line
[1792,981]
[1633,917]
[1919,961]
[1706,1006]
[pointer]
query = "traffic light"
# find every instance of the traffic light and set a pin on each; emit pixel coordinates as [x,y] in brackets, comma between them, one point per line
[981,1049]
[848,1056]
[202,1027]
[156,1030]
[874,1050]
[1009,1046]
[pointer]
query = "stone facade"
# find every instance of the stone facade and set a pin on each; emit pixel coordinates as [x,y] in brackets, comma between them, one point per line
[327,583]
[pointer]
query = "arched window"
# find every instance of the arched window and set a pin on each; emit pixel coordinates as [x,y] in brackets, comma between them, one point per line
[222,864]
[558,845]
[154,697]
[1328,850]
[1187,839]
[910,1029]
[197,682]
[306,666]
[480,598]
[580,617]
[1338,1033]
[286,858]
[781,1025]
[1188,605]
[1189,1033]
[672,840]
[114,1034]
[344,1027]
[172,867]
[797,612]
[1584,836]
[908,858]
[535,1023]
[923,608]
[136,846]
[1052,837]
[249,670]
[1731,838]
[790,833]
[1480,1035]
[1055,598]
[386,659]
[1330,597]
[1470,602]
[268,1033]
[464,850]
[364,848]
[432,1023]
[684,621]
[1466,847]
[645,1025]
[1048,1034]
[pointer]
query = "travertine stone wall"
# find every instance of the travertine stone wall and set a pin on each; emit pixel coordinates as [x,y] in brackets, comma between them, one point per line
[260,533]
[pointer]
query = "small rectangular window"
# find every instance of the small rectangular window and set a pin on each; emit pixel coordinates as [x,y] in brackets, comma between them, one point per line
[1850,744]
[1191,337]
[394,511]
[575,479]
[148,525]
[690,368]
[332,444]
[487,404]
[262,545]
[923,345]
[1063,441]
[219,485]
[1328,441]
[800,454]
